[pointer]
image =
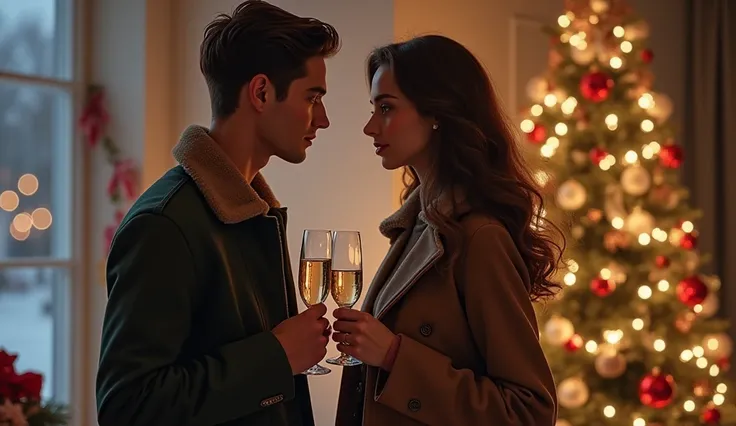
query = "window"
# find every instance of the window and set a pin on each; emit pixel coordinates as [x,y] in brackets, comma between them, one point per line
[39,174]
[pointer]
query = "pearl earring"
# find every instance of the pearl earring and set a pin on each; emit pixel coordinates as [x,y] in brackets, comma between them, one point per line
[435,126]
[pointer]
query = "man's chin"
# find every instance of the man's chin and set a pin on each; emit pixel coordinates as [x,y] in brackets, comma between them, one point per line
[294,157]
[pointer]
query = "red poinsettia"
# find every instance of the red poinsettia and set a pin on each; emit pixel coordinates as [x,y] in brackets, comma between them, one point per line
[94,117]
[18,387]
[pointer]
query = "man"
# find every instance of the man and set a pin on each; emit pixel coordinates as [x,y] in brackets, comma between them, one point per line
[201,326]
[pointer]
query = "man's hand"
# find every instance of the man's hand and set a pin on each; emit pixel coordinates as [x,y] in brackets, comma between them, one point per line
[304,337]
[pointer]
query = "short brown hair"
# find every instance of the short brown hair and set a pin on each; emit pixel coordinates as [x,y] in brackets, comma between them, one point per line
[259,38]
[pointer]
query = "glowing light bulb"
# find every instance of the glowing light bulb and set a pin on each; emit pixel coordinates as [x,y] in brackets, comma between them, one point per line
[644,292]
[609,411]
[637,324]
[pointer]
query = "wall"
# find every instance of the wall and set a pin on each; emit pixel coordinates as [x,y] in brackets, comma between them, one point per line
[156,90]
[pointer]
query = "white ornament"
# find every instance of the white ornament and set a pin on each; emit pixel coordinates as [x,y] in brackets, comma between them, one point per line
[662,108]
[636,180]
[599,6]
[610,364]
[582,56]
[710,305]
[558,330]
[573,393]
[536,89]
[636,31]
[571,195]
[618,272]
[639,221]
[717,346]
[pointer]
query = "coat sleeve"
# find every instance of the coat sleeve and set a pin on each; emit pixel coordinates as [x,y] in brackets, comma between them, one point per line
[517,387]
[143,379]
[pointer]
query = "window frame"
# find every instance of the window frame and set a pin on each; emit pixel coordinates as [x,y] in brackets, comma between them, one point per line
[71,358]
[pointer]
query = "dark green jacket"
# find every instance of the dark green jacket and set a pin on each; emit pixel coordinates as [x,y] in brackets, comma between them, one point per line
[197,276]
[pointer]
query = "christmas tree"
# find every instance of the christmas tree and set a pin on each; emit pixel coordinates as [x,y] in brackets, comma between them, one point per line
[631,337]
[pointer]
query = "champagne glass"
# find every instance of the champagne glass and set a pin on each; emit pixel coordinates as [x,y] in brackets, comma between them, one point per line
[314,275]
[347,278]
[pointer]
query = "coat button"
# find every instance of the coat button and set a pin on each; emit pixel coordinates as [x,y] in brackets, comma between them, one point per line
[414,405]
[426,330]
[359,388]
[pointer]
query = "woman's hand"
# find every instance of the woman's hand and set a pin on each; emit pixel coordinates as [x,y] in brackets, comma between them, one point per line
[367,338]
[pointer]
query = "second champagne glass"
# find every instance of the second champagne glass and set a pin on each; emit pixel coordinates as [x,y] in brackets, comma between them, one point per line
[314,275]
[347,279]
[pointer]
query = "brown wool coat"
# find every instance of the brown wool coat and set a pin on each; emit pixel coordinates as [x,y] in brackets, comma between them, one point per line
[469,352]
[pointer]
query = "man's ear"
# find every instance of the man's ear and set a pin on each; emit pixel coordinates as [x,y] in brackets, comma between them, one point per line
[257,91]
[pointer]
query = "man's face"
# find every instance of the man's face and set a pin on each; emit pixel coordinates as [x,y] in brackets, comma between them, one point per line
[289,126]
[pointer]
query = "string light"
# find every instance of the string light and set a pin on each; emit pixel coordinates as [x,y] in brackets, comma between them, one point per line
[646,100]
[9,201]
[618,31]
[561,129]
[611,121]
[609,411]
[550,100]
[613,336]
[536,110]
[637,324]
[626,46]
[28,184]
[616,62]
[645,292]
[647,125]
[568,105]
[563,21]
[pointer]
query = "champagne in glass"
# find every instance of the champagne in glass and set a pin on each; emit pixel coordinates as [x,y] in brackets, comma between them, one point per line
[347,279]
[315,271]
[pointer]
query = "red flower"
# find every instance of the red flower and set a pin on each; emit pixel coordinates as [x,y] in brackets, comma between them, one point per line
[94,118]
[8,376]
[29,386]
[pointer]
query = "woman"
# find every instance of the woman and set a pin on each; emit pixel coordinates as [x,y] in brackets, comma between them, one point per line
[447,332]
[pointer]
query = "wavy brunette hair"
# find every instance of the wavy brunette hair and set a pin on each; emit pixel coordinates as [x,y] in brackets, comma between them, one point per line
[474,149]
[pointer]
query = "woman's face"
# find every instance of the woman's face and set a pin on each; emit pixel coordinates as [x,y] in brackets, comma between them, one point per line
[401,136]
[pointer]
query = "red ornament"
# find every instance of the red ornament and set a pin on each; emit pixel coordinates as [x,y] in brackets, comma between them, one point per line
[575,343]
[538,134]
[601,287]
[647,55]
[657,390]
[662,261]
[711,416]
[724,364]
[671,156]
[596,86]
[597,155]
[689,242]
[692,291]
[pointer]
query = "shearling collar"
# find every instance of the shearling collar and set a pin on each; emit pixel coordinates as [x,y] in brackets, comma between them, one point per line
[406,216]
[227,192]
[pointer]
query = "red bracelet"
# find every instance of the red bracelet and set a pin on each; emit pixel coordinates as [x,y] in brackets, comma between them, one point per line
[388,361]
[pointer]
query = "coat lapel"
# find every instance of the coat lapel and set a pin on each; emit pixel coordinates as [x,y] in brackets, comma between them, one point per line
[426,252]
[422,256]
